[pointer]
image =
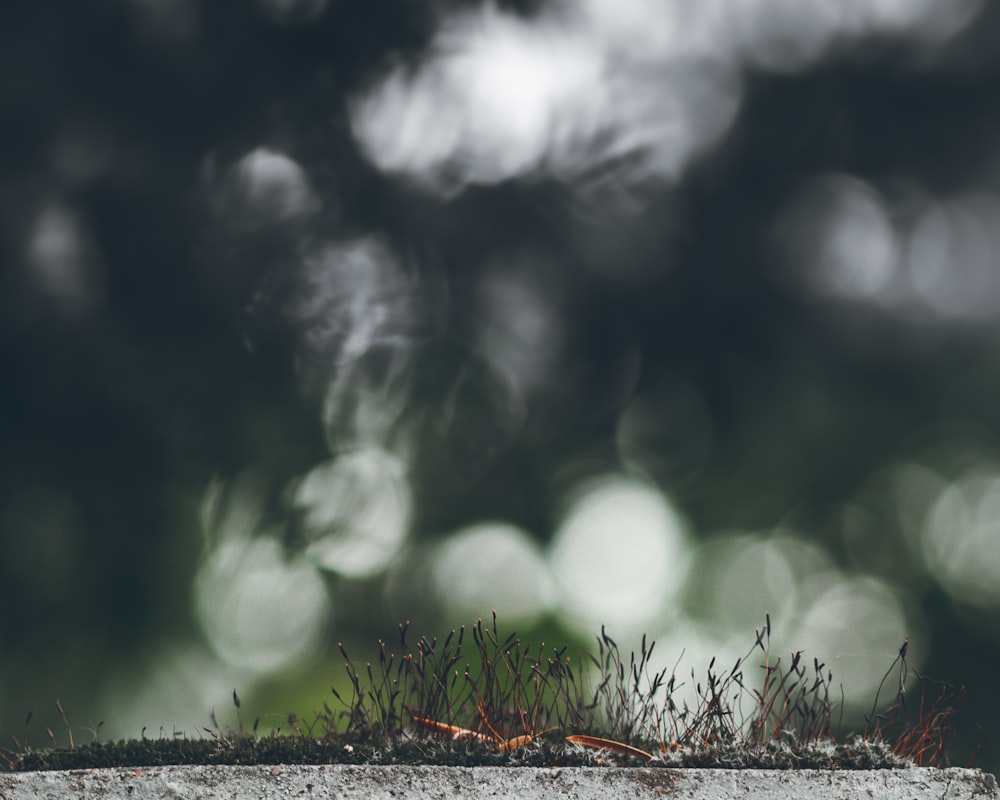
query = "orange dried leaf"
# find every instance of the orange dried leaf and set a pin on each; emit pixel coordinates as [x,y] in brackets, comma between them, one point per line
[515,743]
[449,730]
[608,744]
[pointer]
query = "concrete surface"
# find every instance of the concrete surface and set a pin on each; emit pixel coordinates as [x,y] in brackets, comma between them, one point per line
[524,783]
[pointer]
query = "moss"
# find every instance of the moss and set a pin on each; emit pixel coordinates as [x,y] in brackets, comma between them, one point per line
[516,706]
[290,749]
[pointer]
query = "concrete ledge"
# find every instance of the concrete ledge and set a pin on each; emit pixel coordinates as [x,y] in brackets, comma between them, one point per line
[525,783]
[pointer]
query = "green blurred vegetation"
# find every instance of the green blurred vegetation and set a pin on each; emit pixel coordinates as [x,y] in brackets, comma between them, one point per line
[214,286]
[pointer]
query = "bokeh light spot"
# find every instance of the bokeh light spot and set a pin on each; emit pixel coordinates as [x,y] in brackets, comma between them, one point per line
[356,511]
[855,625]
[620,555]
[62,260]
[267,186]
[786,35]
[360,319]
[492,566]
[258,609]
[175,692]
[840,239]
[519,331]
[501,97]
[954,257]
[920,257]
[961,537]
[667,28]
[570,91]
[743,577]
[688,645]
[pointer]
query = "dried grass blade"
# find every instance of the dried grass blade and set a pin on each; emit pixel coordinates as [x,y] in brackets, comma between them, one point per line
[608,744]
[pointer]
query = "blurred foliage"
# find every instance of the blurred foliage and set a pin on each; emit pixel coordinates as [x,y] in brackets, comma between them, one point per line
[167,318]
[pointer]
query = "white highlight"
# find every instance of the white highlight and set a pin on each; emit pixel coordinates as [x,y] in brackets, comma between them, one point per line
[855,625]
[954,257]
[960,540]
[920,257]
[356,511]
[500,97]
[841,239]
[258,609]
[744,577]
[606,91]
[492,566]
[620,556]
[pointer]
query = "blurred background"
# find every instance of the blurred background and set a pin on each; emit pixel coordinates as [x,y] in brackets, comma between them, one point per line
[317,316]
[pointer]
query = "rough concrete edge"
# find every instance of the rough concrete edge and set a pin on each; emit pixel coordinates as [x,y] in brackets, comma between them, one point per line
[525,783]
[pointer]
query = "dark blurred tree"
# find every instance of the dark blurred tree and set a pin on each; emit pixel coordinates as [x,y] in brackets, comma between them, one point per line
[175,357]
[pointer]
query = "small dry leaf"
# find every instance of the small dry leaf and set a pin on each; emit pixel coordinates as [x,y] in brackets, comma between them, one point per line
[450,730]
[608,744]
[513,744]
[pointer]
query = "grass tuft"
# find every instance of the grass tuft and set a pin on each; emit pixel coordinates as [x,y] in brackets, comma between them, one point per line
[498,701]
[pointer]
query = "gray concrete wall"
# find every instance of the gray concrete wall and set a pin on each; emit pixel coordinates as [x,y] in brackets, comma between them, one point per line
[449,783]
